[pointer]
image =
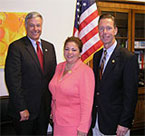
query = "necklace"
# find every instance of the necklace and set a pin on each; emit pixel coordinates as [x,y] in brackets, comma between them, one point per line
[68,69]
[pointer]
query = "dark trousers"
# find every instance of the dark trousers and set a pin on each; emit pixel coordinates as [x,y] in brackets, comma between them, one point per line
[37,126]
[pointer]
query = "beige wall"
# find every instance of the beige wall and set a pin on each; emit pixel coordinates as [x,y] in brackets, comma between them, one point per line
[58,22]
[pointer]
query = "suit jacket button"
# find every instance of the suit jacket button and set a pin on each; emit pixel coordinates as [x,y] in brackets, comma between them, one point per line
[98,93]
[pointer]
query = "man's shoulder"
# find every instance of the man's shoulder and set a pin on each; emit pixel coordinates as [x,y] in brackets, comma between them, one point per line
[125,52]
[46,42]
[126,56]
[18,42]
[98,53]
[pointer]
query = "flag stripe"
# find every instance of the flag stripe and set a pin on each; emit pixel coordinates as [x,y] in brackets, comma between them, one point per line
[86,27]
[90,43]
[88,20]
[92,50]
[75,33]
[89,34]
[88,12]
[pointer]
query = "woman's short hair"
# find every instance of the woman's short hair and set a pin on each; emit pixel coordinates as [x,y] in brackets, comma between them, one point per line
[75,40]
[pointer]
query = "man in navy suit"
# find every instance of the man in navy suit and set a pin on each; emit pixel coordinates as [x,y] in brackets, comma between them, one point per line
[116,86]
[27,82]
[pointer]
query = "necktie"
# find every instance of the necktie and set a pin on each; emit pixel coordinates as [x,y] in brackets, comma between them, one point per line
[102,64]
[40,55]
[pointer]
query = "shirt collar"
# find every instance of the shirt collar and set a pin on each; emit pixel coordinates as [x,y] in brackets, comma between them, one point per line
[33,41]
[34,44]
[111,49]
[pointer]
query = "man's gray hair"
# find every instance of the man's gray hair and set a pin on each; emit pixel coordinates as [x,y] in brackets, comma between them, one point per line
[32,15]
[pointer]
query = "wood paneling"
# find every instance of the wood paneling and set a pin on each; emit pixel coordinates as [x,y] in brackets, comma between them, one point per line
[139,120]
[120,5]
[131,10]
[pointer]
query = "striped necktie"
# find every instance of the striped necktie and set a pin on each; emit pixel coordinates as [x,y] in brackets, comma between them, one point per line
[102,63]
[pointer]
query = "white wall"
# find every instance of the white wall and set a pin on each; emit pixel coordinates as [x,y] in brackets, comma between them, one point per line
[58,22]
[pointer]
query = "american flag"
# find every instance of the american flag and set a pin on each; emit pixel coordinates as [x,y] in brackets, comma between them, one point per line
[86,28]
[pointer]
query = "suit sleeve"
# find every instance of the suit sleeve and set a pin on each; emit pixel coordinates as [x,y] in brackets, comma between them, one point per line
[130,82]
[87,84]
[13,77]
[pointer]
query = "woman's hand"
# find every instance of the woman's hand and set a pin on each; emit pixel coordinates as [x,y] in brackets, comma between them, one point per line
[79,133]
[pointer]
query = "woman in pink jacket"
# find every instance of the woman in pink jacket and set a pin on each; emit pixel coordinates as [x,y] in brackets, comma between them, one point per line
[72,89]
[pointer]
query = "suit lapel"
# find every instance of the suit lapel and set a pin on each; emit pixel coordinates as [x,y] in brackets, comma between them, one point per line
[45,53]
[97,60]
[32,52]
[112,62]
[96,65]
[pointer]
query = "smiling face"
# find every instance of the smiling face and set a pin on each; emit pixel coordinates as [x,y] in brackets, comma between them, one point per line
[107,32]
[34,28]
[71,52]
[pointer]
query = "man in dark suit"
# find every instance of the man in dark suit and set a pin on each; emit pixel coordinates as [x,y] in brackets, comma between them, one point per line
[116,86]
[27,79]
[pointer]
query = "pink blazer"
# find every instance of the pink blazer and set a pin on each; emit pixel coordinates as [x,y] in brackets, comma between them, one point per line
[72,96]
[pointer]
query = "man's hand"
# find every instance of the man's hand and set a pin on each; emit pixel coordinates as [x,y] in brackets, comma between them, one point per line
[81,133]
[24,115]
[121,131]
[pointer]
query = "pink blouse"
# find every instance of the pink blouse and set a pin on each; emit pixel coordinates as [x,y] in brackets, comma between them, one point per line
[72,96]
